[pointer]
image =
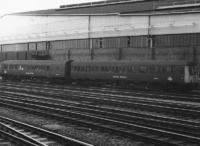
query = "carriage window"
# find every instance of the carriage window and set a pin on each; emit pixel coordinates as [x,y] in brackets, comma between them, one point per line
[156,69]
[87,68]
[123,69]
[22,67]
[95,68]
[143,69]
[82,68]
[151,69]
[168,70]
[19,67]
[137,69]
[190,71]
[36,67]
[75,68]
[15,67]
[11,67]
[102,68]
[106,69]
[133,69]
[109,68]
[120,69]
[32,67]
[161,70]
[48,67]
[78,68]
[5,66]
[92,69]
[113,69]
[182,70]
[116,69]
[128,69]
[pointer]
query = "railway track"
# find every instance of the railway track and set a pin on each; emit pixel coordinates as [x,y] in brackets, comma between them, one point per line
[183,109]
[25,134]
[126,127]
[155,95]
[116,114]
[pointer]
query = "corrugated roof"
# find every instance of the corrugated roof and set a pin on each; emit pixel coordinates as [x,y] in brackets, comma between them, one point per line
[127,6]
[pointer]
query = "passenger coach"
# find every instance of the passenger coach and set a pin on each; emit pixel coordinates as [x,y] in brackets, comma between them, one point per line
[148,74]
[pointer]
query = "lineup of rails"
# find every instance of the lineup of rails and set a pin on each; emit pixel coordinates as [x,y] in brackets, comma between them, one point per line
[88,113]
[25,134]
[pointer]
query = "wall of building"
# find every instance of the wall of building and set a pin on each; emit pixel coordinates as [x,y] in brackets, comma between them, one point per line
[108,37]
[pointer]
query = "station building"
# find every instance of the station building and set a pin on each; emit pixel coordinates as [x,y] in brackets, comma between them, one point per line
[105,30]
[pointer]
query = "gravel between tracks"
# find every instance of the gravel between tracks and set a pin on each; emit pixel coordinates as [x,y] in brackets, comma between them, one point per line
[83,134]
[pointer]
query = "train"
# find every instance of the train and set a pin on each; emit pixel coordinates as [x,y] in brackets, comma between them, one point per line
[167,75]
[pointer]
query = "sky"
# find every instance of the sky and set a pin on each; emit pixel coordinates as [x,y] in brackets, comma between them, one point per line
[11,6]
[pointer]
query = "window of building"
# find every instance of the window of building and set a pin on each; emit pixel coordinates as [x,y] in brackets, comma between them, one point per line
[100,42]
[128,41]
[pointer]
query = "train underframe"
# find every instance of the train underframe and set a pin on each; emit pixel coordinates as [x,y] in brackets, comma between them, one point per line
[161,86]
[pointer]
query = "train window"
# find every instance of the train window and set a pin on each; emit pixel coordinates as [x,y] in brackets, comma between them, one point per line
[123,69]
[106,68]
[78,68]
[190,71]
[92,68]
[48,67]
[15,67]
[22,67]
[42,67]
[151,69]
[19,67]
[116,69]
[36,67]
[11,67]
[82,68]
[170,70]
[133,69]
[32,67]
[113,69]
[95,68]
[156,69]
[75,68]
[137,69]
[161,70]
[109,68]
[87,68]
[143,69]
[120,69]
[182,70]
[128,69]
[5,67]
[102,68]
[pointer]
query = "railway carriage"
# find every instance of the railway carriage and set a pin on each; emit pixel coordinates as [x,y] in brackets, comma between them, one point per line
[164,74]
[35,70]
[146,74]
